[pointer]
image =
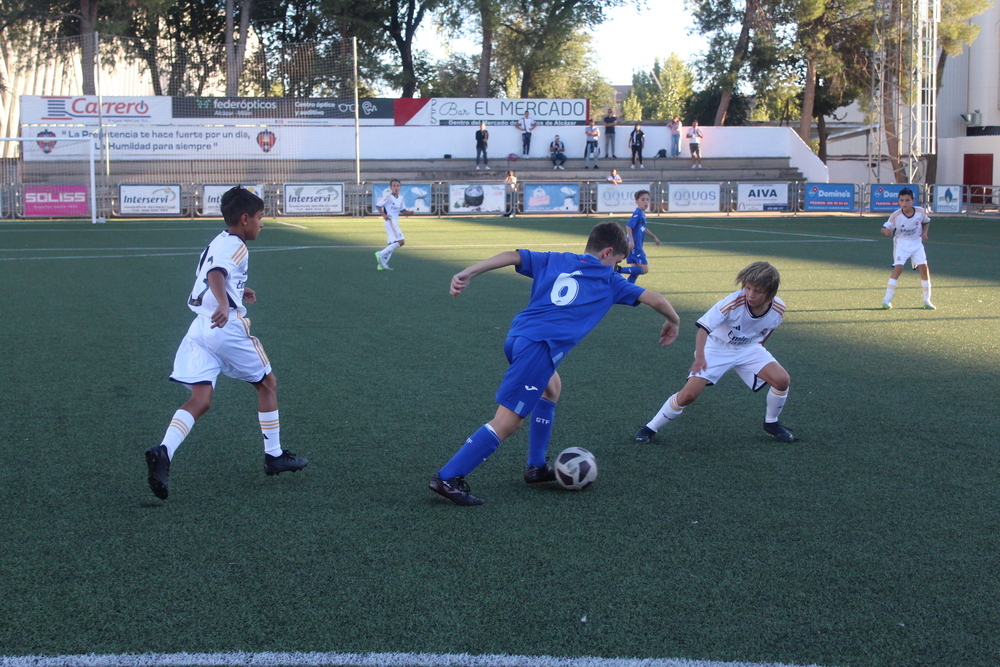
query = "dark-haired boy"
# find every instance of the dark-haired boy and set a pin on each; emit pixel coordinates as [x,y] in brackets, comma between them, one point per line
[731,336]
[908,226]
[219,341]
[570,294]
[637,231]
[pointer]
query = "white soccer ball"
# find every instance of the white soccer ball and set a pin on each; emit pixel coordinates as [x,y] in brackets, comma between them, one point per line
[576,468]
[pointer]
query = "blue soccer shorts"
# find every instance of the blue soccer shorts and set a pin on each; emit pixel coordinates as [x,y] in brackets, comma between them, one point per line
[636,257]
[530,370]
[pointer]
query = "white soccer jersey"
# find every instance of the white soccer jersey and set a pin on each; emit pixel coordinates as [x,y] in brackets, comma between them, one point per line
[229,254]
[907,229]
[729,322]
[391,205]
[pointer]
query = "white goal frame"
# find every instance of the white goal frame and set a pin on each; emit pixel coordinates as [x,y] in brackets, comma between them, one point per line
[91,152]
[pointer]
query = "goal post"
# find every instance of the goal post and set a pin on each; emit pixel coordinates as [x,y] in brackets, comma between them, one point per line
[50,176]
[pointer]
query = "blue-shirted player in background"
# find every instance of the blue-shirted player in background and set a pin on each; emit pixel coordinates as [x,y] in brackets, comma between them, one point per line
[570,294]
[636,235]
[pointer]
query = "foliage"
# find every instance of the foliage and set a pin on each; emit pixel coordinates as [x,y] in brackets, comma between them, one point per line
[660,93]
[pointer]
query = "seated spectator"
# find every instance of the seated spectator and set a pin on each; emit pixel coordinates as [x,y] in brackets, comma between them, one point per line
[557,153]
[614,178]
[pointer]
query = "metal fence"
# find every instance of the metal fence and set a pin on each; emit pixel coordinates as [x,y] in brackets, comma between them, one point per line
[359,198]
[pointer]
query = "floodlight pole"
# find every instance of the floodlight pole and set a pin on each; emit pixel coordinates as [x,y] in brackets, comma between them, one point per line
[357,116]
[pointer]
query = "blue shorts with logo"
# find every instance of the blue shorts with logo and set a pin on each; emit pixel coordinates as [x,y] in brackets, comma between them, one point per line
[530,370]
[636,257]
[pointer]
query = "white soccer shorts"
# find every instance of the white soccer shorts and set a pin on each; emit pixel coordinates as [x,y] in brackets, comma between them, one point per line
[392,233]
[904,250]
[747,361]
[205,352]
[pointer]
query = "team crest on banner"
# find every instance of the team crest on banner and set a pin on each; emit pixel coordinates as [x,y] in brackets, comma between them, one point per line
[266,140]
[46,144]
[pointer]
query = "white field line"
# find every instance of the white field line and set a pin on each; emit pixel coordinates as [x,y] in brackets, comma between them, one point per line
[172,252]
[273,659]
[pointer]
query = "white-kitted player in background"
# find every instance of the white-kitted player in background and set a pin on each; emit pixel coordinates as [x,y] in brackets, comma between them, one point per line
[908,227]
[390,205]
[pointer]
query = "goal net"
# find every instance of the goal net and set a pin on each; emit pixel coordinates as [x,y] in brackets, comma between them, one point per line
[49,176]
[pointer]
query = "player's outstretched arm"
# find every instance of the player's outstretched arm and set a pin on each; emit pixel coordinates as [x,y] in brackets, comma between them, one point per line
[462,279]
[655,239]
[659,303]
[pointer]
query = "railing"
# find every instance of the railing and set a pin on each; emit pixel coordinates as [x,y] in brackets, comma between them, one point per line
[588,197]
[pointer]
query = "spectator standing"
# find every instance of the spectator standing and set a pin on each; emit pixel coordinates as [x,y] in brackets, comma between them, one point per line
[695,136]
[527,126]
[636,141]
[557,153]
[610,121]
[592,149]
[675,126]
[482,139]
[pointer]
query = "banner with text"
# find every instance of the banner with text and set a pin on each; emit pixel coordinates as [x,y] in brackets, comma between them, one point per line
[701,197]
[551,197]
[762,196]
[829,197]
[313,198]
[416,196]
[885,197]
[948,198]
[471,198]
[55,201]
[618,198]
[492,111]
[211,196]
[149,199]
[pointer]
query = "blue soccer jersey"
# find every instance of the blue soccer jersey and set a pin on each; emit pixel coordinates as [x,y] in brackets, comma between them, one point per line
[638,225]
[569,296]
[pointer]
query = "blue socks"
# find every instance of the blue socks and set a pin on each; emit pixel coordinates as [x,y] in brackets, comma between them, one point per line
[540,431]
[476,449]
[633,272]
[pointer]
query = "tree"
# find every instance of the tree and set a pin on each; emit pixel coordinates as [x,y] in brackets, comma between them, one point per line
[660,93]
[236,44]
[404,17]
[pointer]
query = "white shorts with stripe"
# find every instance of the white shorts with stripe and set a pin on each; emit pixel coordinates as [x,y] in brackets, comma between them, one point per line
[747,361]
[205,352]
[392,232]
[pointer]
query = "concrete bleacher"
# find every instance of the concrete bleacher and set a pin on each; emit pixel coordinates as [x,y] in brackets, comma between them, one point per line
[657,169]
[197,172]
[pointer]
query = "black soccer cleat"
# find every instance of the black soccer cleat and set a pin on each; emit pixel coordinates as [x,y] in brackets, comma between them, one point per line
[779,431]
[158,464]
[455,489]
[284,463]
[538,475]
[645,434]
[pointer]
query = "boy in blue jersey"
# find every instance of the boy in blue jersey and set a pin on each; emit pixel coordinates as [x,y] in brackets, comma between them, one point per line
[636,235]
[570,294]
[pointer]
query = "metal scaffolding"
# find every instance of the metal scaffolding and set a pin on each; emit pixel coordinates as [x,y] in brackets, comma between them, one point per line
[903,88]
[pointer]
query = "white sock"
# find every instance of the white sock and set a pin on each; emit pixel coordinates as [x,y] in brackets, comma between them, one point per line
[179,427]
[271,431]
[925,285]
[669,412]
[388,250]
[775,402]
[890,290]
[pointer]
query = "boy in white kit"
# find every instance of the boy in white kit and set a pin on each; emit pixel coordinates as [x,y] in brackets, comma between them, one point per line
[908,226]
[219,341]
[390,205]
[731,335]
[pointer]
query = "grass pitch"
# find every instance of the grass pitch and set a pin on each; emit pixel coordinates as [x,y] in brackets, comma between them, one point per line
[869,542]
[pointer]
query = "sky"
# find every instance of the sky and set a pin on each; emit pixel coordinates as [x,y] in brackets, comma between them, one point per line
[630,40]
